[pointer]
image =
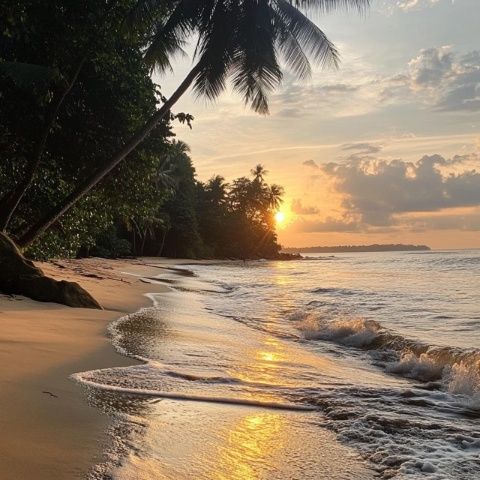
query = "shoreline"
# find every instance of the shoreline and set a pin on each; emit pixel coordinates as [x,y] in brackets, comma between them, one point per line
[48,429]
[51,431]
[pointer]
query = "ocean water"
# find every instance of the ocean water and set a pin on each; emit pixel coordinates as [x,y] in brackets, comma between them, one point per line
[340,366]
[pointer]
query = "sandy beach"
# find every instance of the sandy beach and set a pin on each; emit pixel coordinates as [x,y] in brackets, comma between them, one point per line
[48,429]
[219,347]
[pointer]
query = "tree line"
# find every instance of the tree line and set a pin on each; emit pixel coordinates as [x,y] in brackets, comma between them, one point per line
[212,219]
[86,135]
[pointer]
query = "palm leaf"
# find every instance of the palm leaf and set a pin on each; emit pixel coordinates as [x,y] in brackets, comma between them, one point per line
[309,37]
[326,6]
[255,70]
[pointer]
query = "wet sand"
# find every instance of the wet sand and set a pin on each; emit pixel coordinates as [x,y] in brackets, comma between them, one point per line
[48,431]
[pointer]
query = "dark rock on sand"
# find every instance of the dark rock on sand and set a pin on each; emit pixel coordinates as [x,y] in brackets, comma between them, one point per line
[21,277]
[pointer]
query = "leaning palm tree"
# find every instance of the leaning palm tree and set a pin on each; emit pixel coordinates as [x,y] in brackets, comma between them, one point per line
[241,41]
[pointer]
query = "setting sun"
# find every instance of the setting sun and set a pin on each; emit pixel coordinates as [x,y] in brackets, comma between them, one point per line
[279,218]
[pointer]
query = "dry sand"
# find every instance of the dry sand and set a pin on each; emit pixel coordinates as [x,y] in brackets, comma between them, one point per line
[48,431]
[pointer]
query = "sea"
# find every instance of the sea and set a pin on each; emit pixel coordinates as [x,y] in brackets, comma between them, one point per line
[336,366]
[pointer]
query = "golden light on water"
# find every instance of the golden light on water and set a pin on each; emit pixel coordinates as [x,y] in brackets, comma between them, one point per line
[251,445]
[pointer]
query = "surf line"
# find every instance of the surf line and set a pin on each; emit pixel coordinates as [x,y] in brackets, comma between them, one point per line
[194,398]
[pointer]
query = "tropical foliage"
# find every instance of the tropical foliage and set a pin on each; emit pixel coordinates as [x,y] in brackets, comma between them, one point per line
[86,136]
[212,219]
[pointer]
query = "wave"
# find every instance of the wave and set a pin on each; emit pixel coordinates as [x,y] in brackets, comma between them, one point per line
[457,369]
[334,291]
[323,258]
[139,392]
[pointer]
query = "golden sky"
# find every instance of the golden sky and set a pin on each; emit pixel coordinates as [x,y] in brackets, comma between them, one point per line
[384,150]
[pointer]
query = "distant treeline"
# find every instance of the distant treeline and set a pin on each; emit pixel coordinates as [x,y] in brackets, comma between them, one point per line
[359,248]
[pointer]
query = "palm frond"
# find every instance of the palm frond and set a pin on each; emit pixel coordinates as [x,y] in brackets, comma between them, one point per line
[309,37]
[170,35]
[326,6]
[255,69]
[214,50]
[241,40]
[292,53]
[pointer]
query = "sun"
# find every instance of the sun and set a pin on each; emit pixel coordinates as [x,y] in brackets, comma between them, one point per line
[279,218]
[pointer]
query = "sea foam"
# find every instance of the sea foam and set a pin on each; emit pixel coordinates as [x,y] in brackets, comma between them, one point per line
[457,370]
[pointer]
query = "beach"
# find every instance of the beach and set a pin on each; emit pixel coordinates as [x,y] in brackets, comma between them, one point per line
[48,429]
[51,431]
[260,370]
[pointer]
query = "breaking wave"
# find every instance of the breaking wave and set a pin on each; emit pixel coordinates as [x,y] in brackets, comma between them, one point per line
[457,370]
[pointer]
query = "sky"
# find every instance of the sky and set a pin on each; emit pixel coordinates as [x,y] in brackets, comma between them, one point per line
[386,149]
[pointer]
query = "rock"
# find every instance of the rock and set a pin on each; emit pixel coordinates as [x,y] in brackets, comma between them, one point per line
[21,277]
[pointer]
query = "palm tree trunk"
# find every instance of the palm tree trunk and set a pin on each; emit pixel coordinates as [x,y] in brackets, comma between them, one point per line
[11,200]
[144,239]
[54,215]
[164,236]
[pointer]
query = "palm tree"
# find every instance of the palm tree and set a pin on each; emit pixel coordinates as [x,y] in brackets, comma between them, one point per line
[241,41]
[274,196]
[217,190]
[259,173]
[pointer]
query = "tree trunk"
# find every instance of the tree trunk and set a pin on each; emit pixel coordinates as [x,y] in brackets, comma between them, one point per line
[53,216]
[144,239]
[164,236]
[9,203]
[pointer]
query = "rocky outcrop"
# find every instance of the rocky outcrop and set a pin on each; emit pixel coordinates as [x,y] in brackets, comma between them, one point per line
[21,277]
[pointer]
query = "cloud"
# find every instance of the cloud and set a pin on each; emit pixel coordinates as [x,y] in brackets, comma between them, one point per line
[377,191]
[290,112]
[431,67]
[443,79]
[297,99]
[407,5]
[329,225]
[438,79]
[361,151]
[300,209]
[310,163]
[465,222]
[365,148]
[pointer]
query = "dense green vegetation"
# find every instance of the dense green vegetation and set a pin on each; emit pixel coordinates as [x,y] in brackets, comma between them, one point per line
[111,97]
[89,161]
[201,220]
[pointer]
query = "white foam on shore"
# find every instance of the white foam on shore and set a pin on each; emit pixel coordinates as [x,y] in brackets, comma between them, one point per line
[407,430]
[458,370]
[81,377]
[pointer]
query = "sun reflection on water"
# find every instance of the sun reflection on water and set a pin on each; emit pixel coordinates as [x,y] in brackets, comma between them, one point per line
[250,447]
[263,364]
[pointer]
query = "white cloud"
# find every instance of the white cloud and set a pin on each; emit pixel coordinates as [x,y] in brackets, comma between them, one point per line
[377,191]
[407,5]
[438,79]
[431,67]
